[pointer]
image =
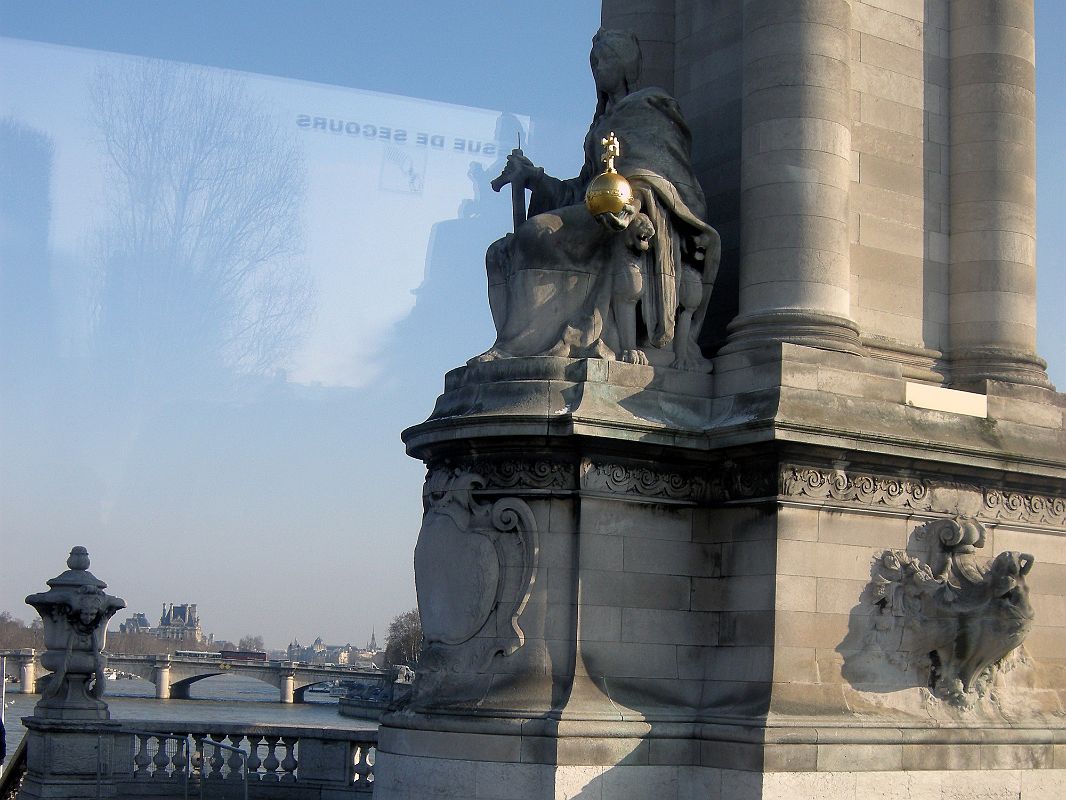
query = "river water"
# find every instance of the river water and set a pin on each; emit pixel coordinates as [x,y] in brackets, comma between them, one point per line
[224,698]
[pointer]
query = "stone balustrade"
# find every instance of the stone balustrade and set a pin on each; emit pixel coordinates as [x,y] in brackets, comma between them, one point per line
[276,760]
[178,760]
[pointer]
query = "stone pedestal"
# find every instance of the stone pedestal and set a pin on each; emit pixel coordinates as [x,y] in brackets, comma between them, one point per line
[74,760]
[637,583]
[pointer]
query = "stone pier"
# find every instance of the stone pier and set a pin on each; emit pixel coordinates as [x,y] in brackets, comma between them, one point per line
[161,679]
[22,664]
[829,563]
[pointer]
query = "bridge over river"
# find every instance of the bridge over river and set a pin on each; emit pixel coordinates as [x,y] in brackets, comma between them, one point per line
[173,675]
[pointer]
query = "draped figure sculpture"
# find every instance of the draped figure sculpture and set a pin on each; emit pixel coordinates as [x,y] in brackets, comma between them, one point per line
[631,285]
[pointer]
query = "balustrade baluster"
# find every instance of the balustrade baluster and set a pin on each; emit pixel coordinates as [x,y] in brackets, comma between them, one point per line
[181,757]
[289,763]
[141,760]
[218,761]
[271,763]
[254,761]
[198,762]
[161,760]
[236,761]
[363,766]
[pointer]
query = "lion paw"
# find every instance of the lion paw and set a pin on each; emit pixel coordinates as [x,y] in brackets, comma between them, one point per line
[634,357]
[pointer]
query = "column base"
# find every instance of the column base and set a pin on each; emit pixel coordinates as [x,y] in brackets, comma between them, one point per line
[971,368]
[810,328]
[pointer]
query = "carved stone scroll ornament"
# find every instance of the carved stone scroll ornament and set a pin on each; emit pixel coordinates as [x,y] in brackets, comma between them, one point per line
[475,565]
[956,617]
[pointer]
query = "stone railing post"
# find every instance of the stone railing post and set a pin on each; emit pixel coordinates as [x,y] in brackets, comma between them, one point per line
[72,748]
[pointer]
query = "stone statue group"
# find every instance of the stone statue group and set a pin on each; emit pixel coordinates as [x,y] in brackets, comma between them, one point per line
[631,285]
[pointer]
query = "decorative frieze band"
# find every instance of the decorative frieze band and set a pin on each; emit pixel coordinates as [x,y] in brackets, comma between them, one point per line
[745,480]
[513,473]
[1025,507]
[921,495]
[836,484]
[642,481]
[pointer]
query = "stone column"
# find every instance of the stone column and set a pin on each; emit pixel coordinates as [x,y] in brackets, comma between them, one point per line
[288,687]
[993,194]
[652,21]
[161,677]
[795,176]
[28,673]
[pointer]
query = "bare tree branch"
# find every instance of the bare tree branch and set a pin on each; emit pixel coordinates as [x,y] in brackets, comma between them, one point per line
[198,260]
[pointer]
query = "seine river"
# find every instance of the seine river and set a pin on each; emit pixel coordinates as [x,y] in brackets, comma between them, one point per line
[229,698]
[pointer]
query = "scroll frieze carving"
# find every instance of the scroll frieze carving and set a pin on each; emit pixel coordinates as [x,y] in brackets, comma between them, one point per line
[742,481]
[919,494]
[1025,507]
[822,484]
[951,621]
[642,481]
[513,473]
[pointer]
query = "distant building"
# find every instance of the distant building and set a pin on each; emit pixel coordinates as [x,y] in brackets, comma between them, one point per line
[179,622]
[136,623]
[176,622]
[318,652]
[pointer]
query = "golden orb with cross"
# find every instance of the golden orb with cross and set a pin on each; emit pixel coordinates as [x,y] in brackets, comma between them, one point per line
[609,192]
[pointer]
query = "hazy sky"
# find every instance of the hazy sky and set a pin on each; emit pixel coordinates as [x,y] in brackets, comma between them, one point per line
[281,501]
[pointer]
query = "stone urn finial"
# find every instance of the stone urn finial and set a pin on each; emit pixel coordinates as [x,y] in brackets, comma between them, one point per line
[75,611]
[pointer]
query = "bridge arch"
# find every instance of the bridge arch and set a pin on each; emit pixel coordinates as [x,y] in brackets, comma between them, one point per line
[179,690]
[300,689]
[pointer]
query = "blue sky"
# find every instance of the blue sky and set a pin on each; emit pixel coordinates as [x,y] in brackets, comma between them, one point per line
[283,503]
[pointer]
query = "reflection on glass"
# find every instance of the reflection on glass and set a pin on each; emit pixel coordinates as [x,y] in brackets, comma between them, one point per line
[224,295]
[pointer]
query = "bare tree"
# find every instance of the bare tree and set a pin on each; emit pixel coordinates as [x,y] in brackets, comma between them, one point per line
[204,198]
[251,643]
[403,643]
[15,634]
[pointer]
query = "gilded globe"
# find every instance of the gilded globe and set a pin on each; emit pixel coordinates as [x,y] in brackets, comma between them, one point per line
[608,193]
